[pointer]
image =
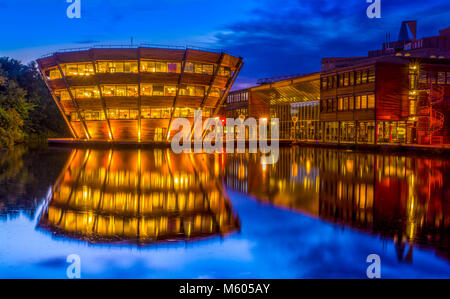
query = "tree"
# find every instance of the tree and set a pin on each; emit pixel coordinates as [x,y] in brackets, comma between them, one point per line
[27,107]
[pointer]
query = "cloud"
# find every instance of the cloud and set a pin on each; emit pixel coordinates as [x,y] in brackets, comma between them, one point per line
[292,36]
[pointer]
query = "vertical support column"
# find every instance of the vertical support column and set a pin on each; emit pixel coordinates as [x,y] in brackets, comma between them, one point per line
[213,79]
[183,65]
[376,132]
[228,86]
[140,96]
[72,97]
[101,96]
[58,104]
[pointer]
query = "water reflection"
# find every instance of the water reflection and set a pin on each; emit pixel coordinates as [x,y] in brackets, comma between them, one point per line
[25,177]
[138,196]
[401,198]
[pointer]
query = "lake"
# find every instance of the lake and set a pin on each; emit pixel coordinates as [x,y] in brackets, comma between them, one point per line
[150,213]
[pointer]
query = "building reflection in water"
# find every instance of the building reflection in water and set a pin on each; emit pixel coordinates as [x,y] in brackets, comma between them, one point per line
[401,198]
[138,196]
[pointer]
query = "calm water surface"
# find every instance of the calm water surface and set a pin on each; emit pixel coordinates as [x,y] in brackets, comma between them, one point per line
[317,213]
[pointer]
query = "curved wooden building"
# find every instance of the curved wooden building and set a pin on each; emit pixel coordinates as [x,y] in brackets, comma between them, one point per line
[133,94]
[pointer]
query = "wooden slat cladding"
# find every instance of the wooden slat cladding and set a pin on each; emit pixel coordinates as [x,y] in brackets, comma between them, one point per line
[98,129]
[211,102]
[161,54]
[57,84]
[230,61]
[184,101]
[163,78]
[202,56]
[157,101]
[70,57]
[362,88]
[197,79]
[121,102]
[149,126]
[78,127]
[90,104]
[220,82]
[124,129]
[114,54]
[258,108]
[80,81]
[68,106]
[359,115]
[47,62]
[117,78]
[392,91]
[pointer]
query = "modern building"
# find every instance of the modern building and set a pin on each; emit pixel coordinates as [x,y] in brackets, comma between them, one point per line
[294,100]
[134,93]
[398,95]
[387,100]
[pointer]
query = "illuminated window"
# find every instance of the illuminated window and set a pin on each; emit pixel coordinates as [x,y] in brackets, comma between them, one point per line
[132,91]
[74,116]
[146,89]
[158,90]
[93,115]
[158,66]
[346,79]
[441,78]
[364,77]
[173,67]
[117,66]
[189,90]
[345,106]
[123,113]
[63,95]
[53,74]
[351,103]
[85,92]
[358,102]
[423,77]
[215,92]
[159,136]
[358,77]
[78,69]
[170,90]
[371,75]
[224,71]
[120,91]
[352,78]
[371,101]
[199,68]
[340,104]
[364,102]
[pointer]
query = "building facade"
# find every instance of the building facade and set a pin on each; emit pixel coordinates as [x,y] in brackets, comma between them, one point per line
[134,93]
[294,101]
[399,95]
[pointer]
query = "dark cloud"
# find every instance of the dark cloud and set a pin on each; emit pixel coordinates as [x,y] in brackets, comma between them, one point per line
[291,37]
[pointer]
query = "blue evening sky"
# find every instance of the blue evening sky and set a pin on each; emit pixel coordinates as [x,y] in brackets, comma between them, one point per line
[275,37]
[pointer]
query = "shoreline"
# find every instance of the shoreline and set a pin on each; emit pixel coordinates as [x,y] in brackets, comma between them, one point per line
[399,148]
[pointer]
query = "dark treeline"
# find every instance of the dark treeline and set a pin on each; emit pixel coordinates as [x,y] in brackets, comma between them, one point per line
[27,110]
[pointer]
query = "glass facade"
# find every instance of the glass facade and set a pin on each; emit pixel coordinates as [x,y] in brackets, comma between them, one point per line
[120,91]
[350,78]
[117,67]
